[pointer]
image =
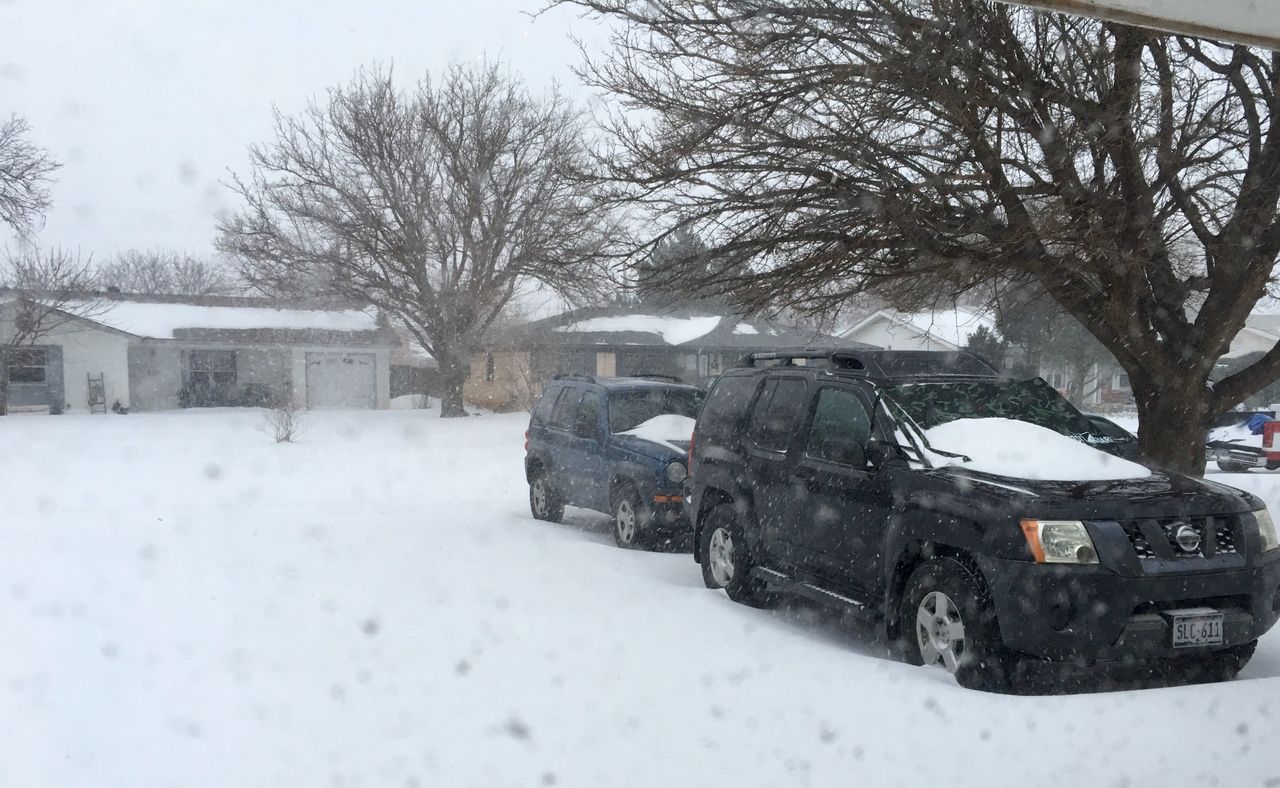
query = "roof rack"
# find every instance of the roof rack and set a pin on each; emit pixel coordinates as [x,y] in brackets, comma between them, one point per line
[657,376]
[847,360]
[575,376]
[883,363]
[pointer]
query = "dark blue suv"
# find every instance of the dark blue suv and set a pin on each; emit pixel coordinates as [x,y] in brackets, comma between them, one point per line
[615,445]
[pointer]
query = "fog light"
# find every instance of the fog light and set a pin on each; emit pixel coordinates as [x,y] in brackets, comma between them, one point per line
[671,515]
[1059,615]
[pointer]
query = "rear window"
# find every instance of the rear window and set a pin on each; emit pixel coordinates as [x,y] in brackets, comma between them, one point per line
[566,407]
[726,407]
[777,414]
[542,413]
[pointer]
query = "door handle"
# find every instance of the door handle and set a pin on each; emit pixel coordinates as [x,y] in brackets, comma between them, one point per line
[807,475]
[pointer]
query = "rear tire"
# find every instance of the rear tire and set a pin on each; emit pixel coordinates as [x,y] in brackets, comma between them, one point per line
[726,561]
[545,502]
[1232,467]
[946,618]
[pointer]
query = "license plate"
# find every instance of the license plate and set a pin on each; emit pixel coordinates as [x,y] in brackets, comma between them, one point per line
[1196,627]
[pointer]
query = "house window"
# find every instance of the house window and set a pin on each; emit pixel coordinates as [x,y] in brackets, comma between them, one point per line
[212,368]
[27,365]
[1059,380]
[1120,382]
[489,372]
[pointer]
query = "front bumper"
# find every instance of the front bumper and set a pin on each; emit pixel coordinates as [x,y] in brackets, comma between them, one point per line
[667,516]
[1092,613]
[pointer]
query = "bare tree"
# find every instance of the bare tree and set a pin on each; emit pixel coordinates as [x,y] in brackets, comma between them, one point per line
[841,145]
[25,172]
[40,292]
[436,205]
[157,271]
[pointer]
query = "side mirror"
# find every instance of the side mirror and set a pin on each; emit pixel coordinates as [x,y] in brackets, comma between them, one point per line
[875,453]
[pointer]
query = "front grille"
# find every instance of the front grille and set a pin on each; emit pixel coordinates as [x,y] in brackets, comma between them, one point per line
[1158,538]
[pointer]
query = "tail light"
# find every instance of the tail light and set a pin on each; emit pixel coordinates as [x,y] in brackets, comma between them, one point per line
[526,440]
[1269,431]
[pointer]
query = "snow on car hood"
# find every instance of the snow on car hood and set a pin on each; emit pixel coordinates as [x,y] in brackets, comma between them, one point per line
[666,430]
[1017,449]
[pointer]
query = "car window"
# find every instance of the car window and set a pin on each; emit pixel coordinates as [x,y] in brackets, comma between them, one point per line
[630,409]
[726,406]
[566,407]
[840,427]
[589,410]
[542,413]
[776,413]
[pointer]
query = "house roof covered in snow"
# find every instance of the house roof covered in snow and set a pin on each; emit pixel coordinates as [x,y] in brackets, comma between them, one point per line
[170,321]
[638,326]
[224,318]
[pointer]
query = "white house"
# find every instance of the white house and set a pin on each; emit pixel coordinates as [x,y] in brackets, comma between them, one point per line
[936,330]
[1260,333]
[163,352]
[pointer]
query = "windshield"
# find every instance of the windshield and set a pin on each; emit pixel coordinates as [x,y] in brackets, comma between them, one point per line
[630,409]
[1032,401]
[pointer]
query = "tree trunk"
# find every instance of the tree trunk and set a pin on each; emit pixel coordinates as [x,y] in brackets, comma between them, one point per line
[1173,418]
[454,376]
[4,383]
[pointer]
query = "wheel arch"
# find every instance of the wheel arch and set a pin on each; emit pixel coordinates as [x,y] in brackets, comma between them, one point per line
[710,499]
[913,554]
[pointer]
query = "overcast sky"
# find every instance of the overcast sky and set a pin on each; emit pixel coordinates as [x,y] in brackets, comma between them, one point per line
[147,103]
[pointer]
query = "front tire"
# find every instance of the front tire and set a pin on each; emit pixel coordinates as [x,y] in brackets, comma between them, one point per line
[545,501]
[726,561]
[1220,665]
[946,618]
[629,529]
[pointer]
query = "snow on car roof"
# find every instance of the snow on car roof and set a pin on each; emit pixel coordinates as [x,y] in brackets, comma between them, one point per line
[672,330]
[161,320]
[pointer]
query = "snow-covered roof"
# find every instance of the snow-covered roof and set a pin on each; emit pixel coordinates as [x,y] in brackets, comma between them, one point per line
[953,326]
[672,330]
[160,320]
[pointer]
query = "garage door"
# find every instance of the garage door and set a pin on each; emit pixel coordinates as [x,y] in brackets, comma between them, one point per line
[340,380]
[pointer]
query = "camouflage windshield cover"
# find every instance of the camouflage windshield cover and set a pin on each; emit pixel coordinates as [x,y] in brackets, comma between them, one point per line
[1034,401]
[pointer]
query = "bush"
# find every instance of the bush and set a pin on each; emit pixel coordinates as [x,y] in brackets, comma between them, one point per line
[285,422]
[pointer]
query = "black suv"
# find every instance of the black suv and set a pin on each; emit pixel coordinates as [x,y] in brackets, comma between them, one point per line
[616,445]
[826,474]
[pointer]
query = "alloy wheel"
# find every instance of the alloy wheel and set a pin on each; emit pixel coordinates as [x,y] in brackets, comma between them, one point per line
[539,495]
[720,556]
[939,631]
[624,521]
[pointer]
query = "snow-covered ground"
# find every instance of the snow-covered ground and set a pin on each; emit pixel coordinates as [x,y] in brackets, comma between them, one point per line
[186,603]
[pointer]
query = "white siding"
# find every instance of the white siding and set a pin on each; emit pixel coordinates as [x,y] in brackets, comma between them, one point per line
[884,333]
[1250,341]
[85,351]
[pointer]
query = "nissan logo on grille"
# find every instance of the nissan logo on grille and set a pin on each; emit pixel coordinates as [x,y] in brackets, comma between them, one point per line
[1188,538]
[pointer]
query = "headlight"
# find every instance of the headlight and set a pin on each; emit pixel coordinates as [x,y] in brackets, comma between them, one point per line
[1059,542]
[676,472]
[1266,530]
